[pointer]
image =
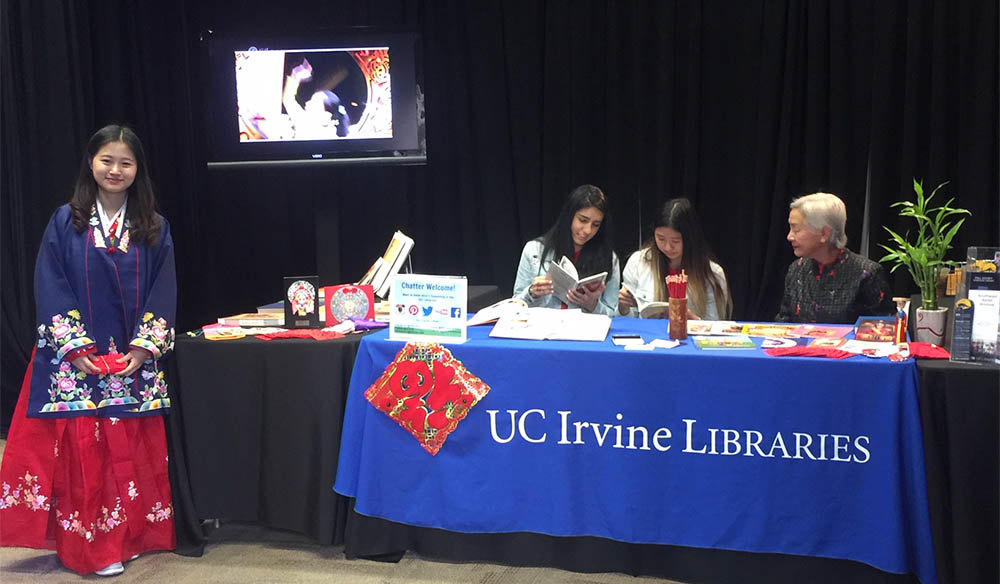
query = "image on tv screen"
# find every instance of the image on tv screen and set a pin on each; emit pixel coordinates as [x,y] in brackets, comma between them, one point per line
[313,94]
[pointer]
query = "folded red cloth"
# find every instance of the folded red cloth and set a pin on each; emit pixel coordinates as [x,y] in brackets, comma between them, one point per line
[318,334]
[108,364]
[808,352]
[927,351]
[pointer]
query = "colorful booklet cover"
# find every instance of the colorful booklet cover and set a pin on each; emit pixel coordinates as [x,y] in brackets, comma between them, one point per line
[828,342]
[881,329]
[815,331]
[724,342]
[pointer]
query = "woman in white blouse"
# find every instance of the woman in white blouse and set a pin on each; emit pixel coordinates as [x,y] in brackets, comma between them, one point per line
[677,244]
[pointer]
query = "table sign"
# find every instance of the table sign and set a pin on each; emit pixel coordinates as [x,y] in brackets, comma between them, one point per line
[428,309]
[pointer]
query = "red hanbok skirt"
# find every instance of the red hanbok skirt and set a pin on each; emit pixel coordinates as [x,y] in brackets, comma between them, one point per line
[96,490]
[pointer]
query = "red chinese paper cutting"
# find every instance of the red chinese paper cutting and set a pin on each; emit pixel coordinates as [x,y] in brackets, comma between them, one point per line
[427,391]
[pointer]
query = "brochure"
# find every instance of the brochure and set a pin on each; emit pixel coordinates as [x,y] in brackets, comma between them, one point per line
[829,331]
[724,342]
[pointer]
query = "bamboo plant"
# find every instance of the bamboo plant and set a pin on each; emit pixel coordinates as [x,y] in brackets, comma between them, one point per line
[923,255]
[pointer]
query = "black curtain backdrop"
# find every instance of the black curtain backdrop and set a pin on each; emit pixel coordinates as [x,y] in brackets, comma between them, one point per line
[739,106]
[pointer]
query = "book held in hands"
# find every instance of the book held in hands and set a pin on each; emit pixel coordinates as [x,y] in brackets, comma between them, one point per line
[565,278]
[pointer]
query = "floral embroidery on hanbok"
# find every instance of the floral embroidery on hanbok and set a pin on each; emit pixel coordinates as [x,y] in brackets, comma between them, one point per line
[97,431]
[154,335]
[115,390]
[159,513]
[67,390]
[27,493]
[66,334]
[132,491]
[72,524]
[112,519]
[154,390]
[124,241]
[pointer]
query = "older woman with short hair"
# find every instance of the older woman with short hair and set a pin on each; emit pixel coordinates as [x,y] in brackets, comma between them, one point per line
[828,282]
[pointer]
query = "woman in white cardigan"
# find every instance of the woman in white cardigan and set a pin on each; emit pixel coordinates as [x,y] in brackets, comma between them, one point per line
[677,244]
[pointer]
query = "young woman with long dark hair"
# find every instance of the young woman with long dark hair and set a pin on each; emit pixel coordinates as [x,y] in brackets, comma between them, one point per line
[85,467]
[678,243]
[582,233]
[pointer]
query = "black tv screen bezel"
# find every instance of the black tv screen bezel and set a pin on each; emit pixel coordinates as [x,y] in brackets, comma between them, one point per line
[224,148]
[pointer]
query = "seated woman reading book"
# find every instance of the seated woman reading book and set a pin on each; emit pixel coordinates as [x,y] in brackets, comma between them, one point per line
[677,244]
[581,235]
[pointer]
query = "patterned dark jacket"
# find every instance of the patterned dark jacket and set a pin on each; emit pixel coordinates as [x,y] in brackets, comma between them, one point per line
[839,292]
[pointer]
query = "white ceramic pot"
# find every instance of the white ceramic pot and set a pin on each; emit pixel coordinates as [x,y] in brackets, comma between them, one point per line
[931,325]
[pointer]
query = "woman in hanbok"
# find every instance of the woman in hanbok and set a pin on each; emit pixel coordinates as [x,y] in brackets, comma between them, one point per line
[85,467]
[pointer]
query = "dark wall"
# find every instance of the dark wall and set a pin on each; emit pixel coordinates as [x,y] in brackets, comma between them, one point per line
[737,105]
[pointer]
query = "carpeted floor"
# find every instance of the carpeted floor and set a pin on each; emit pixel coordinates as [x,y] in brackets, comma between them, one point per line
[247,554]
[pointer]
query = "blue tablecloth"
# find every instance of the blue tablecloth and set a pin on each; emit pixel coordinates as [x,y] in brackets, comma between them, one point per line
[811,456]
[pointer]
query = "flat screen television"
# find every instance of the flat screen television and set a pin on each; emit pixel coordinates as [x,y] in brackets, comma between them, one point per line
[337,96]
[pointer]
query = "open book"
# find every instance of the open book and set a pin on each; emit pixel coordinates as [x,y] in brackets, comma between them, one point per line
[655,309]
[381,273]
[493,312]
[552,324]
[565,278]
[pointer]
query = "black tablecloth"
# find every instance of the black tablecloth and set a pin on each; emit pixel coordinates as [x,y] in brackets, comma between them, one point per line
[254,432]
[960,414]
[258,424]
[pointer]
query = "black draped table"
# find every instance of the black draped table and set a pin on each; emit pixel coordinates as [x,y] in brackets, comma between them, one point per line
[960,415]
[254,432]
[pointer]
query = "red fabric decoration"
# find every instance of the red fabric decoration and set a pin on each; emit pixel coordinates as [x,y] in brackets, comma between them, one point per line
[428,392]
[108,364]
[927,351]
[808,352]
[318,334]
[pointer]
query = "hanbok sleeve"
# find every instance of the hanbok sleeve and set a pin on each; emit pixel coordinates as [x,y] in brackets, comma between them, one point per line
[155,329]
[58,309]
